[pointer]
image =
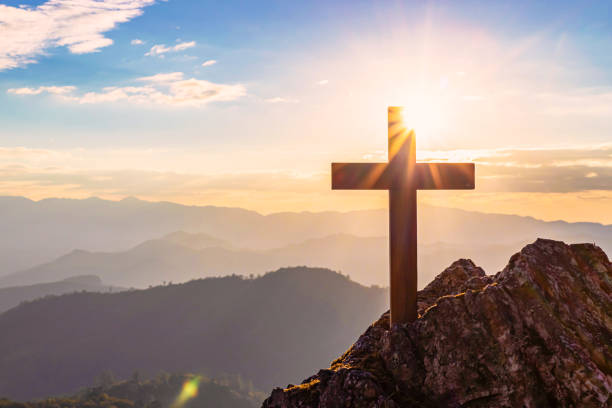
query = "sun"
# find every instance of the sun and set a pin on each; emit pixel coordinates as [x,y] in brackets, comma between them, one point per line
[426,115]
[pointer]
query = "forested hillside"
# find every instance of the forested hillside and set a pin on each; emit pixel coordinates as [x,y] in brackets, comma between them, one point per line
[231,325]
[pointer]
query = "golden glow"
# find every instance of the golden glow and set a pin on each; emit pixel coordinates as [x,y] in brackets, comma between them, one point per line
[405,118]
[585,206]
[189,391]
[398,130]
[425,114]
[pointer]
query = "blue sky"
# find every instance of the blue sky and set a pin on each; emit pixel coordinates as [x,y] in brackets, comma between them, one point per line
[295,85]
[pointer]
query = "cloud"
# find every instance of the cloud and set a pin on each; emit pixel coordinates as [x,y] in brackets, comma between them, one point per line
[172,76]
[161,89]
[201,177]
[539,169]
[25,155]
[136,41]
[56,90]
[183,46]
[209,63]
[134,171]
[27,32]
[188,92]
[159,49]
[553,170]
[278,99]
[194,92]
[323,82]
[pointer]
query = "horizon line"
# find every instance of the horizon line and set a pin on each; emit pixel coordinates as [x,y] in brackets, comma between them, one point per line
[133,198]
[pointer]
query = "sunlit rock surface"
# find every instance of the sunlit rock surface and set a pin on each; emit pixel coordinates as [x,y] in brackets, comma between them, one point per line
[537,334]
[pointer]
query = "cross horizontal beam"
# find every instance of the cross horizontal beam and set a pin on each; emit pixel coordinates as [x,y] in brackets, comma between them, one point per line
[402,176]
[381,176]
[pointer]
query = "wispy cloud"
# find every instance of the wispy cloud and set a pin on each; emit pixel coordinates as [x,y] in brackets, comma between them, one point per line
[169,77]
[187,92]
[323,82]
[27,32]
[160,89]
[136,41]
[503,170]
[183,46]
[572,193]
[558,170]
[158,50]
[539,169]
[56,90]
[124,167]
[278,99]
[209,63]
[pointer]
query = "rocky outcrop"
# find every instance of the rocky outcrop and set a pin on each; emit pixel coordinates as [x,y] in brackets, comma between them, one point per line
[537,334]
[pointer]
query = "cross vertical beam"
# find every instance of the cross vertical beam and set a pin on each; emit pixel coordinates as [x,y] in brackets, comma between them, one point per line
[402,220]
[402,176]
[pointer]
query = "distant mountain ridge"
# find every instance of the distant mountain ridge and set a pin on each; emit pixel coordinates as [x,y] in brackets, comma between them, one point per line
[36,232]
[12,296]
[196,241]
[40,232]
[180,257]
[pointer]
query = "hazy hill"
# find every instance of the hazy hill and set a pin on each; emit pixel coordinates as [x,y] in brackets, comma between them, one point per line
[12,296]
[267,329]
[180,257]
[177,257]
[38,232]
[196,241]
[180,260]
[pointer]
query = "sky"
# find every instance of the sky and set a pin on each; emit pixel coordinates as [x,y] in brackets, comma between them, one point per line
[246,104]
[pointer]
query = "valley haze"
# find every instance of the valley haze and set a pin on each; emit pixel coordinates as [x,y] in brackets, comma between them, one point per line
[135,243]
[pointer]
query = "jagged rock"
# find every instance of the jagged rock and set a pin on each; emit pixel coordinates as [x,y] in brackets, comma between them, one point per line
[457,278]
[537,334]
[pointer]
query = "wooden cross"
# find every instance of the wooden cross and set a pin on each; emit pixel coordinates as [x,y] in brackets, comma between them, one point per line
[402,176]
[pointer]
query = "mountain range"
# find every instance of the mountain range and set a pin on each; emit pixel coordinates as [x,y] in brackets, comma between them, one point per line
[181,256]
[135,243]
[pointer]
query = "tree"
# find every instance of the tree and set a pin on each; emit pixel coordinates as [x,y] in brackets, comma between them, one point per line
[105,379]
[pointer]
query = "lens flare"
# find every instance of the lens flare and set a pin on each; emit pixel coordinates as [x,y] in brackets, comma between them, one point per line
[189,391]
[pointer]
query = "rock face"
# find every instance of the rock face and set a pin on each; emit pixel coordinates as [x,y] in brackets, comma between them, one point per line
[537,334]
